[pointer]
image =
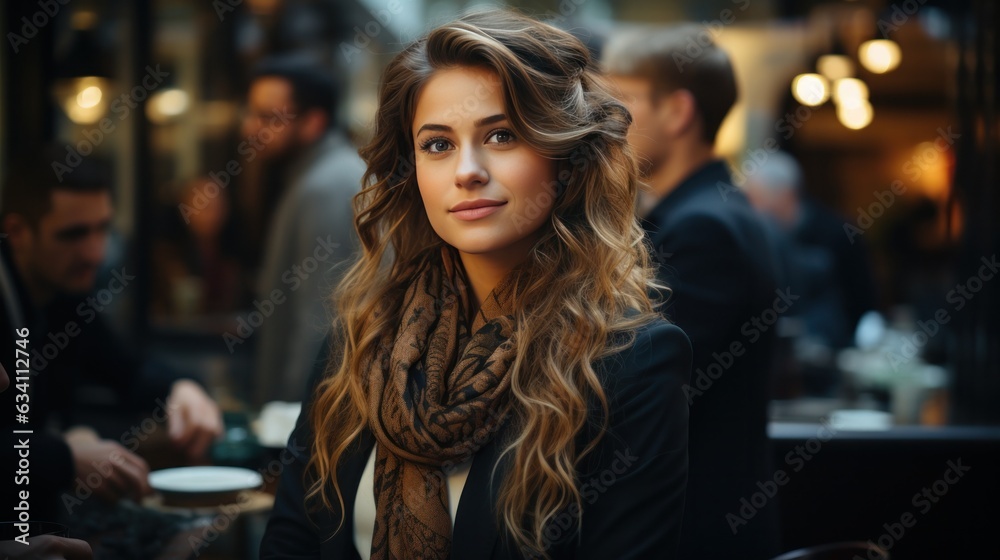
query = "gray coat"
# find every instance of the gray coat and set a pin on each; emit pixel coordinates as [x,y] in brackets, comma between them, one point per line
[309,244]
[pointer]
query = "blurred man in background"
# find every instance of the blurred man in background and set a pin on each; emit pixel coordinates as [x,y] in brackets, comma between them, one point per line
[312,230]
[715,255]
[832,270]
[197,255]
[55,241]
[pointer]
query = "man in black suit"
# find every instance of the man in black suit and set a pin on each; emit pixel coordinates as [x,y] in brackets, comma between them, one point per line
[718,259]
[54,334]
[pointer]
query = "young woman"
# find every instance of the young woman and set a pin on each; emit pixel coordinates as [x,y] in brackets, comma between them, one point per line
[501,386]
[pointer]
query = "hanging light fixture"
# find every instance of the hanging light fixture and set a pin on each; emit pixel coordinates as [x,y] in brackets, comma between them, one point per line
[835,66]
[879,56]
[811,89]
[166,105]
[834,79]
[849,92]
[856,116]
[82,77]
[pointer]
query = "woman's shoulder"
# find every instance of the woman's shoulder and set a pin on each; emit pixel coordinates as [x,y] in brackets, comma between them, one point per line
[647,410]
[662,330]
[658,347]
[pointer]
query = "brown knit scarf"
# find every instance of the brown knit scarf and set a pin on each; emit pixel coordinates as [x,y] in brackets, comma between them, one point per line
[437,393]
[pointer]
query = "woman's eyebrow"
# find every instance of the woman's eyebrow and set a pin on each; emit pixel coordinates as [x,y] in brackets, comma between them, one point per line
[479,123]
[437,127]
[490,120]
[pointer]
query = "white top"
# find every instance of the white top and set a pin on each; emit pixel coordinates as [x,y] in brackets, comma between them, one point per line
[364,503]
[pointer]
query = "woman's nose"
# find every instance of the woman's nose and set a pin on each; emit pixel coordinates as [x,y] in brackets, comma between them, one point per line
[471,170]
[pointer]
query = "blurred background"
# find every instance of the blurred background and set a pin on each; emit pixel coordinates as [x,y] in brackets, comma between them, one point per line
[888,108]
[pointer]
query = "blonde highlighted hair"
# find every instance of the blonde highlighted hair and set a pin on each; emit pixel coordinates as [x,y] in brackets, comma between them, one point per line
[590,265]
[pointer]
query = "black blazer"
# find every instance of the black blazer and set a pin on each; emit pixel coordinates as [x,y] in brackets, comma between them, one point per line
[718,258]
[632,484]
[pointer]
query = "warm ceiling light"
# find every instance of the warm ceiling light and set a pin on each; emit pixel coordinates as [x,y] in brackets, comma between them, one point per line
[89,97]
[167,104]
[83,19]
[82,98]
[857,116]
[879,55]
[835,66]
[810,89]
[849,92]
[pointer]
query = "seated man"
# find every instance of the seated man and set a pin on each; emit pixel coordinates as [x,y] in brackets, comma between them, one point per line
[55,235]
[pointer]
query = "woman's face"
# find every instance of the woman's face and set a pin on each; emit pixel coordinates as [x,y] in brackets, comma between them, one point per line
[485,191]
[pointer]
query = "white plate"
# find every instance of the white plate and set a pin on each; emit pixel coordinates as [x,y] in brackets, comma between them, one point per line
[203,480]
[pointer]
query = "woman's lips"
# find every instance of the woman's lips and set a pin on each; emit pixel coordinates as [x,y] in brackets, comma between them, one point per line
[477,213]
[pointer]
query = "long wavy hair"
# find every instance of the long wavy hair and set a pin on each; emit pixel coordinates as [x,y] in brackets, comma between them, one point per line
[590,265]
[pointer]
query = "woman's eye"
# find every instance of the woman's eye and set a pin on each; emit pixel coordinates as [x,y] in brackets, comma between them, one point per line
[435,145]
[502,136]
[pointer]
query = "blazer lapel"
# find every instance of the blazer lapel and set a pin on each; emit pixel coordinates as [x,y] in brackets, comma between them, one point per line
[349,475]
[475,533]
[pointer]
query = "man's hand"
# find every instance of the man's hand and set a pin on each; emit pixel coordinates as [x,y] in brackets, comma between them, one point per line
[121,472]
[193,418]
[47,547]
